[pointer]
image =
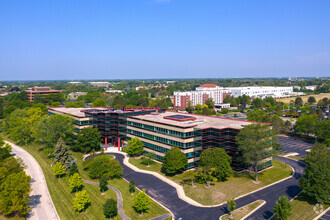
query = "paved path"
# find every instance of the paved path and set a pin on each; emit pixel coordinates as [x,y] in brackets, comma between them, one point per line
[119,199]
[167,194]
[41,203]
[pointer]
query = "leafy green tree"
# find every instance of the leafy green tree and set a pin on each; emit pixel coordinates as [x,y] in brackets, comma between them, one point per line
[21,123]
[256,142]
[316,179]
[206,110]
[224,110]
[78,104]
[190,176]
[63,155]
[206,174]
[298,101]
[306,125]
[12,165]
[110,208]
[50,129]
[259,116]
[58,169]
[73,169]
[210,103]
[190,107]
[55,104]
[135,147]
[231,206]
[99,103]
[270,100]
[103,183]
[75,182]
[131,186]
[322,131]
[81,201]
[5,149]
[258,103]
[104,166]
[283,208]
[227,99]
[218,159]
[117,106]
[311,100]
[147,160]
[88,139]
[14,194]
[198,107]
[174,161]
[141,202]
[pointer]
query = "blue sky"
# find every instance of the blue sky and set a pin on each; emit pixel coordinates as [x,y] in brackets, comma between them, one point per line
[132,39]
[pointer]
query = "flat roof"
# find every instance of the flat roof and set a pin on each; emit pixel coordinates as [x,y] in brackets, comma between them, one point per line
[201,121]
[74,111]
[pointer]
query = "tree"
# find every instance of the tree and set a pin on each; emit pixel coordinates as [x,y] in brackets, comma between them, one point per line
[218,159]
[270,100]
[198,107]
[256,142]
[190,107]
[75,182]
[50,129]
[14,194]
[58,169]
[191,176]
[104,166]
[258,103]
[227,99]
[305,125]
[132,186]
[311,100]
[135,147]
[316,179]
[99,103]
[283,208]
[322,131]
[206,174]
[298,101]
[103,183]
[210,103]
[224,110]
[141,202]
[73,169]
[206,110]
[174,161]
[88,139]
[63,155]
[21,123]
[81,201]
[110,208]
[231,206]
[5,149]
[259,116]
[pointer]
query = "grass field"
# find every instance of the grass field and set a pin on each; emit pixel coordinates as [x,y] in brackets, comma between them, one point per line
[241,212]
[62,197]
[11,218]
[305,97]
[221,191]
[302,208]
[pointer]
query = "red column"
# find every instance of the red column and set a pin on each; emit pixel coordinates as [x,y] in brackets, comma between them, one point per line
[105,142]
[118,144]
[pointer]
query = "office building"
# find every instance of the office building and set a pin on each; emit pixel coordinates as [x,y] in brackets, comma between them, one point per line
[261,91]
[40,90]
[101,84]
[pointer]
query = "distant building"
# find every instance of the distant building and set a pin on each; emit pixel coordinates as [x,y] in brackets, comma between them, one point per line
[200,95]
[150,87]
[40,90]
[75,83]
[74,95]
[112,91]
[170,82]
[101,84]
[312,87]
[261,91]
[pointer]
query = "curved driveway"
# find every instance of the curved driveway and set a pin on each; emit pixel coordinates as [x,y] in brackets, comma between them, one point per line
[167,195]
[41,203]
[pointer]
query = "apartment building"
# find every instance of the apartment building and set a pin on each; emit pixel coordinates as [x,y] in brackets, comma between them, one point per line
[40,90]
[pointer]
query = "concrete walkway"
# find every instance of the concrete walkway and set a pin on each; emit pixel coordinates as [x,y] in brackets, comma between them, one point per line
[119,199]
[166,194]
[41,203]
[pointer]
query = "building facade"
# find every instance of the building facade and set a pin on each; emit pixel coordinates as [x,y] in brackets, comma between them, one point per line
[40,90]
[261,91]
[101,84]
[199,96]
[160,130]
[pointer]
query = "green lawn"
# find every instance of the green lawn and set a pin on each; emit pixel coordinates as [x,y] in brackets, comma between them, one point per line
[302,207]
[245,210]
[11,218]
[236,185]
[62,197]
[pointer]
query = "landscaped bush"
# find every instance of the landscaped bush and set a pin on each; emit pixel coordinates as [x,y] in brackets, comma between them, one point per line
[104,166]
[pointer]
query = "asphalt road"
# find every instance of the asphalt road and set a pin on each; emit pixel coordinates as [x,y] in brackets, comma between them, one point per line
[295,145]
[167,195]
[41,203]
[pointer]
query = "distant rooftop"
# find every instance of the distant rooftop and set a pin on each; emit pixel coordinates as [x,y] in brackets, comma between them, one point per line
[77,112]
[209,85]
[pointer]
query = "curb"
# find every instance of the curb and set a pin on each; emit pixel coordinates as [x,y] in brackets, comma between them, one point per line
[252,211]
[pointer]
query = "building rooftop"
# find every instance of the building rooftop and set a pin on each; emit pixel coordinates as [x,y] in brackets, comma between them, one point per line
[77,112]
[200,122]
[209,85]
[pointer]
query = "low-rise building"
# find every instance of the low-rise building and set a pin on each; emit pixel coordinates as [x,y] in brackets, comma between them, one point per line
[101,84]
[261,91]
[40,90]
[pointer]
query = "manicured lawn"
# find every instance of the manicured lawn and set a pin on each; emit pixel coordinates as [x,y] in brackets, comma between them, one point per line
[62,197]
[238,184]
[122,186]
[302,207]
[241,212]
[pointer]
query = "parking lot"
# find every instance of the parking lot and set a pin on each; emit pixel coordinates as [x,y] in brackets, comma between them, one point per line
[295,145]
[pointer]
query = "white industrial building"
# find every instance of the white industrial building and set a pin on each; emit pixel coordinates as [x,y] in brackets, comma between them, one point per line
[261,91]
[102,84]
